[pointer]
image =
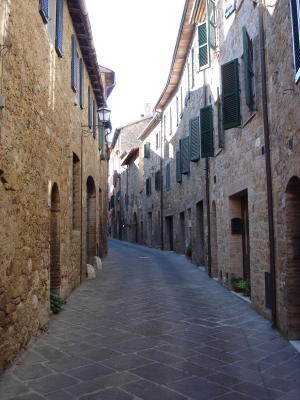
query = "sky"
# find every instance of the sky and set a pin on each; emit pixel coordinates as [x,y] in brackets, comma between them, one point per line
[135,39]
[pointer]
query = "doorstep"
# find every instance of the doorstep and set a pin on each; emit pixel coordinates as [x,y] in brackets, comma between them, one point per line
[245,299]
[296,344]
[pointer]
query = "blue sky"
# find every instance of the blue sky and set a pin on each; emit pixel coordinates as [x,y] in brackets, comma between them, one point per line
[136,39]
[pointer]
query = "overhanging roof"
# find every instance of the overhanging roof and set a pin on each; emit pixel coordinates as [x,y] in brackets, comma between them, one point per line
[82,25]
[183,43]
[129,155]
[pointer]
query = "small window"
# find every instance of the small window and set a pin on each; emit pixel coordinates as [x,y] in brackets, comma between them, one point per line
[74,65]
[230,7]
[248,68]
[157,180]
[178,167]
[148,186]
[295,20]
[147,150]
[59,27]
[185,156]
[81,84]
[168,176]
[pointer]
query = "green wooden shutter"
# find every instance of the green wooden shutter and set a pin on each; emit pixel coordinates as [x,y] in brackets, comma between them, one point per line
[230,94]
[59,27]
[157,180]
[212,23]
[94,119]
[203,41]
[178,167]
[74,65]
[168,176]
[194,139]
[148,186]
[248,69]
[230,7]
[184,152]
[44,10]
[147,150]
[101,138]
[207,138]
[295,20]
[220,130]
[90,104]
[81,83]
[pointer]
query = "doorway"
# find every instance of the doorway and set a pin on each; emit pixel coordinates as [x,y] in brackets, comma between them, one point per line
[245,236]
[169,233]
[293,257]
[55,241]
[199,248]
[91,243]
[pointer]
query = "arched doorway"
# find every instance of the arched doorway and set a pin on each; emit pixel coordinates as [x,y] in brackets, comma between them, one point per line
[55,241]
[91,243]
[293,256]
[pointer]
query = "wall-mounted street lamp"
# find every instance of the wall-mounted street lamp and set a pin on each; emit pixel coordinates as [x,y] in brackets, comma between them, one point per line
[104,118]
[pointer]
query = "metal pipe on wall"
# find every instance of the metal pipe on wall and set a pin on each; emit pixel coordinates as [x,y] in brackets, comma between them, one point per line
[268,162]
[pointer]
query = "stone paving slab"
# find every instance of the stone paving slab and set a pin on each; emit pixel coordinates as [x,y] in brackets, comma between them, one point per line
[155,328]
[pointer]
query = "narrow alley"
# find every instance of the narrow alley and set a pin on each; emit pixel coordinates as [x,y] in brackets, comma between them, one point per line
[153,326]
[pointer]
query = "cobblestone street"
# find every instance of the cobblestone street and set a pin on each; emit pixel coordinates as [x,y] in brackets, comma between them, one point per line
[153,326]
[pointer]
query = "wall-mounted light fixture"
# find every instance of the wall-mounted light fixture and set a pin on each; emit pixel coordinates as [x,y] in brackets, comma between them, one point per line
[103,117]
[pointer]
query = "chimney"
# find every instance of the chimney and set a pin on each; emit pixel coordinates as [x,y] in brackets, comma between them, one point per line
[148,111]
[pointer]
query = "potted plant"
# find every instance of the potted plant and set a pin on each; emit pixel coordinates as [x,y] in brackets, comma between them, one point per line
[234,280]
[245,286]
[188,251]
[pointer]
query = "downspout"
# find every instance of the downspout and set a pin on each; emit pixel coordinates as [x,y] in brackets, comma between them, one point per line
[268,162]
[81,198]
[161,188]
[207,196]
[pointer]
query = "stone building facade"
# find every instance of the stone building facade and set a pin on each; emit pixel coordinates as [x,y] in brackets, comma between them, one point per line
[53,163]
[229,156]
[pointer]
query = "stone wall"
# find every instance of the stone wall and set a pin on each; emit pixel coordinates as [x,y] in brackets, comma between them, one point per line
[40,132]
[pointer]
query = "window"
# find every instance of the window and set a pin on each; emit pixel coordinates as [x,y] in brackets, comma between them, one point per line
[157,140]
[43,9]
[59,27]
[193,67]
[147,150]
[76,192]
[248,68]
[295,19]
[74,65]
[203,42]
[230,6]
[230,94]
[81,84]
[101,138]
[148,186]
[178,167]
[194,139]
[207,138]
[157,180]
[94,119]
[90,107]
[184,154]
[168,176]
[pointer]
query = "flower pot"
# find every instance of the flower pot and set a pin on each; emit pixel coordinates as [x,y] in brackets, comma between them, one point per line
[246,293]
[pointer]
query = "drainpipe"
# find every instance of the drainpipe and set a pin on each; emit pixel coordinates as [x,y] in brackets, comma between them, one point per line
[268,162]
[161,188]
[81,230]
[207,196]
